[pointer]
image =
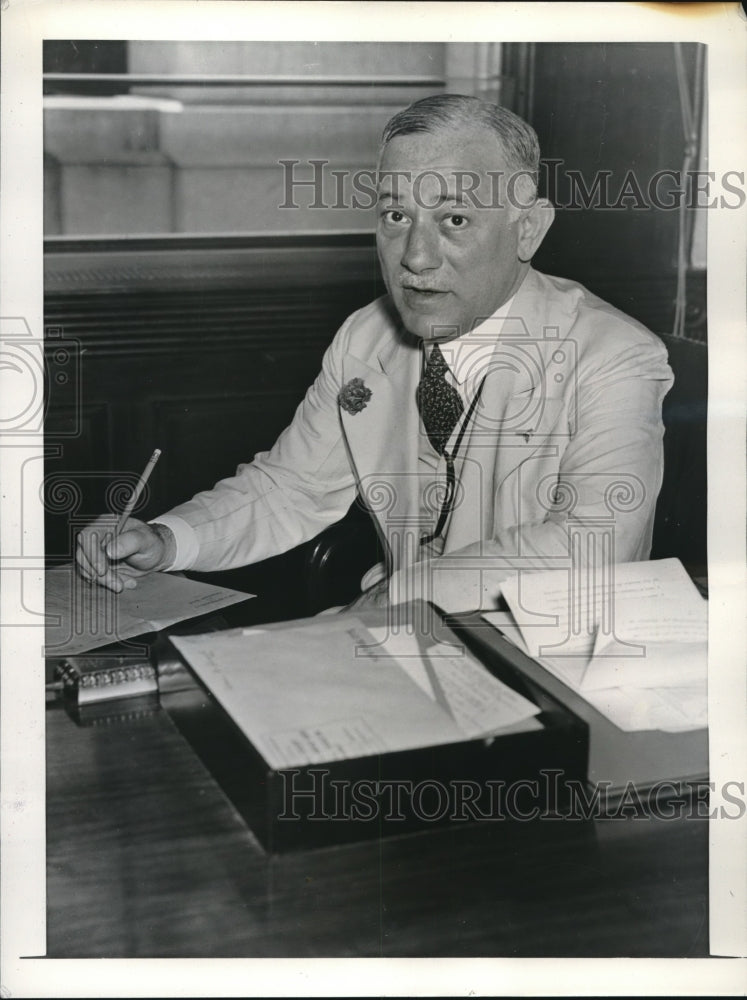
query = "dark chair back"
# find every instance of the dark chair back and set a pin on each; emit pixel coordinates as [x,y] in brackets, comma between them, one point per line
[337,559]
[680,527]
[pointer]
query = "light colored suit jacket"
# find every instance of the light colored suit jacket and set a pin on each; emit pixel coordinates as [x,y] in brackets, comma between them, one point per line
[564,452]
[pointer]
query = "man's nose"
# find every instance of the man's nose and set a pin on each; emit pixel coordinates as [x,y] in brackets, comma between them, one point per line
[421,251]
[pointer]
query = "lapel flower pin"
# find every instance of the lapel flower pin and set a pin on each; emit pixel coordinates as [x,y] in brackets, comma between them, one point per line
[354,395]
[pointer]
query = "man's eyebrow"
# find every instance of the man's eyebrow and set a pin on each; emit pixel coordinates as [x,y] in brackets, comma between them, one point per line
[459,200]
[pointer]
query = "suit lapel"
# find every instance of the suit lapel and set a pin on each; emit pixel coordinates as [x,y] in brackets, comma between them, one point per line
[383,437]
[511,419]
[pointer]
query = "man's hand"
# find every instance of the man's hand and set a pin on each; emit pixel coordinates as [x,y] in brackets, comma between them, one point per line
[116,563]
[375,597]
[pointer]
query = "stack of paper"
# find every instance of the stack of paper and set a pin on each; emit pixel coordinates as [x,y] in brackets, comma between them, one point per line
[630,638]
[334,689]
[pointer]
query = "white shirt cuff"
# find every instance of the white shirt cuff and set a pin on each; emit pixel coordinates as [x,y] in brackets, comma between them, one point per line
[187,545]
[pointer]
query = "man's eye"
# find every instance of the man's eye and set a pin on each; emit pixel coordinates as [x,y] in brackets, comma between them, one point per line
[392,215]
[456,221]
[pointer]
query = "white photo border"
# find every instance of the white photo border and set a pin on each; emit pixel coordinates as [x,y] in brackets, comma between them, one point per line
[26,23]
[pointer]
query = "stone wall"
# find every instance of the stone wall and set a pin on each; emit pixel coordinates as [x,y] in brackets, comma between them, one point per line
[205,159]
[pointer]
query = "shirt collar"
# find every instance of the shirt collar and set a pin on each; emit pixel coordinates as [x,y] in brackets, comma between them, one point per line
[469,355]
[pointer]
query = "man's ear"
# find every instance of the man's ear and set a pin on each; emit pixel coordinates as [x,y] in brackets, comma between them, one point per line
[533,225]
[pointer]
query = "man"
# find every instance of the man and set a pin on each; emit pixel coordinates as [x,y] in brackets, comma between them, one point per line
[491,417]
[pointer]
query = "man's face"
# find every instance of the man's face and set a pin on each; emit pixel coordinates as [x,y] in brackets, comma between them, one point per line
[447,263]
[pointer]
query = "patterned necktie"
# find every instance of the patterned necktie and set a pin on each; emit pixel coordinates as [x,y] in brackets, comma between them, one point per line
[439,403]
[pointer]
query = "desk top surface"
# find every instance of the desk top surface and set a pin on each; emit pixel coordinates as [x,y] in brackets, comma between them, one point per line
[146,857]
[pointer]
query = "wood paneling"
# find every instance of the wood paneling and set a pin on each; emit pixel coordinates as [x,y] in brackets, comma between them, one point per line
[186,431]
[78,472]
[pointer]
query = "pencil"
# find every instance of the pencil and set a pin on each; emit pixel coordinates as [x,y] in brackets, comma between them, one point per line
[136,493]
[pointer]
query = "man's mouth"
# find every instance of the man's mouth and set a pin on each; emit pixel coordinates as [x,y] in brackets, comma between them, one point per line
[422,299]
[417,292]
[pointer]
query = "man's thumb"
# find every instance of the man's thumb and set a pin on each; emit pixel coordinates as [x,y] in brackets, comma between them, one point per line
[123,545]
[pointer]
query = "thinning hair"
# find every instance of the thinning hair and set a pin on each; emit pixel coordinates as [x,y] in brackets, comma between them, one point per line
[518,140]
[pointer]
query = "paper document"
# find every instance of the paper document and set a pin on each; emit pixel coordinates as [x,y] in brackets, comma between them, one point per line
[671,709]
[304,695]
[80,617]
[478,702]
[635,627]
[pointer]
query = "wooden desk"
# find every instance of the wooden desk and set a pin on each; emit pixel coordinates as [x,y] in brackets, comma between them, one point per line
[146,857]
